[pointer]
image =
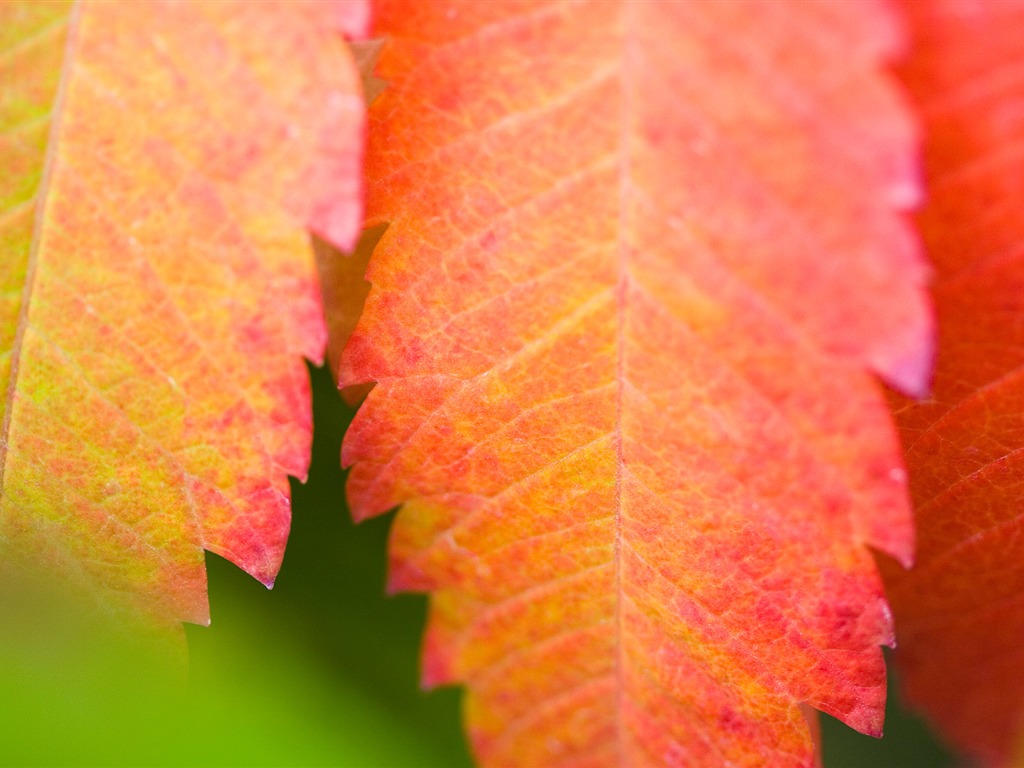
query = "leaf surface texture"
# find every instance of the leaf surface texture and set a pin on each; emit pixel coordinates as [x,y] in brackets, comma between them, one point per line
[642,260]
[160,288]
[960,612]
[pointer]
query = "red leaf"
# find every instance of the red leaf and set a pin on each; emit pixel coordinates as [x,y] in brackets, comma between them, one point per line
[960,612]
[640,258]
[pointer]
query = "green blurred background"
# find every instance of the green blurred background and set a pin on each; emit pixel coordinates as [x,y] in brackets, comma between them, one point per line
[320,671]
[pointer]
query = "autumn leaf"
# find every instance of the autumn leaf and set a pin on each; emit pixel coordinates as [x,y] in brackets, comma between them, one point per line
[642,260]
[960,612]
[160,289]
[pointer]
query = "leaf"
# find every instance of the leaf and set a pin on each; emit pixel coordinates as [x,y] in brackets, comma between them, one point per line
[344,292]
[640,256]
[159,398]
[960,612]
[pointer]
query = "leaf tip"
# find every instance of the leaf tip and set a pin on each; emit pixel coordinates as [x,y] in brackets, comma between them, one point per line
[908,366]
[867,718]
[351,17]
[337,224]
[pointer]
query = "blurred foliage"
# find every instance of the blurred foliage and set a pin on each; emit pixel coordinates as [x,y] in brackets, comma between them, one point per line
[323,670]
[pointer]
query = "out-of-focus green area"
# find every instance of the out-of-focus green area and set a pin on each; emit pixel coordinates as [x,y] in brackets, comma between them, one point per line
[323,670]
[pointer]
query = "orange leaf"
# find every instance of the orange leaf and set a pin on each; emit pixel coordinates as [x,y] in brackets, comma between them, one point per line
[960,612]
[640,258]
[158,399]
